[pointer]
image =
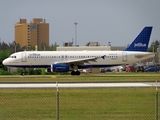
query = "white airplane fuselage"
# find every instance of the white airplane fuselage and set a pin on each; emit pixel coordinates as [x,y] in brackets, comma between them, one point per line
[40,59]
[63,61]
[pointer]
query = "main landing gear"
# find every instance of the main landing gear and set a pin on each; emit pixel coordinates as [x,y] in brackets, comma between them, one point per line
[75,72]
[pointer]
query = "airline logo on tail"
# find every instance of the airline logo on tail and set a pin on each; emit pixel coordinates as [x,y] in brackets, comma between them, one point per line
[140,43]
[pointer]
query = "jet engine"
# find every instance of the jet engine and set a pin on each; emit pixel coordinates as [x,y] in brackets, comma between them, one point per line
[59,67]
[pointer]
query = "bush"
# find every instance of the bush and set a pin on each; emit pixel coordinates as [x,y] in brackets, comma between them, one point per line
[2,72]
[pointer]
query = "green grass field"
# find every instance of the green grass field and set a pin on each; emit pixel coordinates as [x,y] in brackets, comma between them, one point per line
[79,104]
[103,77]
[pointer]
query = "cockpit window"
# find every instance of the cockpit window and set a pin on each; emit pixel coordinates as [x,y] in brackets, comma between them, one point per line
[12,56]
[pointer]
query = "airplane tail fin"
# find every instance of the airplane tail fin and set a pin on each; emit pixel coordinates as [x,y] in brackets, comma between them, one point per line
[140,43]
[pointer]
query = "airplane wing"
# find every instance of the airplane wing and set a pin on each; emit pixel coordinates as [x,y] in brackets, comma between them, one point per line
[80,61]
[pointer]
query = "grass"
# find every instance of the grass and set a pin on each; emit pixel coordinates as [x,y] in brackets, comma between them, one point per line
[78,104]
[103,77]
[26,104]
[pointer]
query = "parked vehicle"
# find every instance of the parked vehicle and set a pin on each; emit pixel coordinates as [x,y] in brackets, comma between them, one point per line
[152,69]
[140,68]
[117,68]
[112,69]
[131,69]
[102,70]
[85,70]
[109,70]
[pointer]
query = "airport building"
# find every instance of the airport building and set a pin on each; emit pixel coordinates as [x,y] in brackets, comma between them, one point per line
[93,46]
[34,33]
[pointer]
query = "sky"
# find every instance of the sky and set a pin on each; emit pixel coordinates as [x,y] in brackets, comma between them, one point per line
[103,21]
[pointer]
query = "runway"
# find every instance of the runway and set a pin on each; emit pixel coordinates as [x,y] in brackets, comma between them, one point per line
[76,85]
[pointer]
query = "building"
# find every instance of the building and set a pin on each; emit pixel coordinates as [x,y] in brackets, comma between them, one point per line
[35,33]
[91,48]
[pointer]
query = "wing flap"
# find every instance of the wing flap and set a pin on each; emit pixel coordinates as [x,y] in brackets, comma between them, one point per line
[80,61]
[77,61]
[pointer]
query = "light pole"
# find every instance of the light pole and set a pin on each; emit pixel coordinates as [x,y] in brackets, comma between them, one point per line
[154,52]
[75,33]
[15,45]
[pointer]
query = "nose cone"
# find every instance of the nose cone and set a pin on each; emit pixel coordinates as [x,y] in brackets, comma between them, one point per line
[4,62]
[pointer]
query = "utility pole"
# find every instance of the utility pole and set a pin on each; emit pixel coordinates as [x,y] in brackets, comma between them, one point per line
[15,45]
[75,33]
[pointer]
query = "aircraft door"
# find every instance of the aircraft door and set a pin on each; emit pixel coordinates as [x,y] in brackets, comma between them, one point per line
[124,57]
[23,57]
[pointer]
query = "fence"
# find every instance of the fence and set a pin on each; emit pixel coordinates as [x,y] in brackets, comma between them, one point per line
[80,104]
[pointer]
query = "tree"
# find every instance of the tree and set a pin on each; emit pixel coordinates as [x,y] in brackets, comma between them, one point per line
[88,44]
[154,46]
[3,55]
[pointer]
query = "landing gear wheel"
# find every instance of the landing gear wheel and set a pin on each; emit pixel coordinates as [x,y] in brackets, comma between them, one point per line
[75,73]
[24,72]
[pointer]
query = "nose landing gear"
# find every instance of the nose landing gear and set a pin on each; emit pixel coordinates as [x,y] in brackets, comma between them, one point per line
[24,72]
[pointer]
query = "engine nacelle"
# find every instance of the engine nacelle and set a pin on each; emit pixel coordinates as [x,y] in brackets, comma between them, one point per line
[59,68]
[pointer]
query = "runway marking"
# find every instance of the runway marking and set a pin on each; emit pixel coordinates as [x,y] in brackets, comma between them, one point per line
[75,85]
[53,77]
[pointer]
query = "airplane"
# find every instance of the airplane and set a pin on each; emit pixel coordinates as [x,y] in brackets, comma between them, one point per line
[65,61]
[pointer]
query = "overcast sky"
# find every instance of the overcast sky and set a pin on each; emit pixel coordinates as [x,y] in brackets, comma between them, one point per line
[103,21]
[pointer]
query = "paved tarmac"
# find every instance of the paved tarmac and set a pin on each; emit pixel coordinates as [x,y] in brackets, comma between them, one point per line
[77,85]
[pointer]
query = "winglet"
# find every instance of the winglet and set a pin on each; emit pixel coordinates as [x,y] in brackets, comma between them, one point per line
[140,43]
